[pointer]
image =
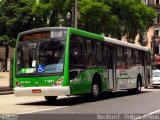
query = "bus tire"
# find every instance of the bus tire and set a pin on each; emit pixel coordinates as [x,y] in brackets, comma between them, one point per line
[96,90]
[51,99]
[138,87]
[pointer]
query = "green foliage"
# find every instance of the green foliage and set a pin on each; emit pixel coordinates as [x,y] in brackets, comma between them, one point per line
[4,38]
[134,17]
[41,11]
[117,18]
[49,12]
[15,16]
[112,17]
[96,15]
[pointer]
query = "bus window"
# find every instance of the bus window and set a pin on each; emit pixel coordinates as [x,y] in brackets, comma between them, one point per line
[136,57]
[89,53]
[106,55]
[120,58]
[111,57]
[140,57]
[148,58]
[129,59]
[99,54]
[76,51]
[51,55]
[26,55]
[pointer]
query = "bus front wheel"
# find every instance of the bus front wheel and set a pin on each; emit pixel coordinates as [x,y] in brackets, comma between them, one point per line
[50,99]
[96,90]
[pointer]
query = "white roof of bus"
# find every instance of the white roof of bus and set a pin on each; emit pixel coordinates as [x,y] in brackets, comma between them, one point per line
[107,39]
[122,43]
[41,29]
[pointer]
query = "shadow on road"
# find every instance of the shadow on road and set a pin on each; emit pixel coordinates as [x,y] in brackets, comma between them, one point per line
[75,100]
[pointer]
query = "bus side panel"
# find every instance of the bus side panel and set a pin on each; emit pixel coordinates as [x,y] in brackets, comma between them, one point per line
[104,78]
[149,75]
[83,83]
[148,69]
[82,45]
[127,78]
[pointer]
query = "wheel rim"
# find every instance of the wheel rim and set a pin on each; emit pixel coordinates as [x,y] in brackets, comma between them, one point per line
[95,90]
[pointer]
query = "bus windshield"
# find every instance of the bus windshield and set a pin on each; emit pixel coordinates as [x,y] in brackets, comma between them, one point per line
[40,56]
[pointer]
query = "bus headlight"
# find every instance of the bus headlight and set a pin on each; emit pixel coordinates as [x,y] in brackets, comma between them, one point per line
[58,82]
[18,84]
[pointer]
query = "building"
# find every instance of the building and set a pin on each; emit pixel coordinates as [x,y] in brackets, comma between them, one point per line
[153,34]
[4,68]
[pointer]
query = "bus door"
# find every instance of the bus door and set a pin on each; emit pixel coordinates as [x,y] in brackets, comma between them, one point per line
[110,66]
[146,67]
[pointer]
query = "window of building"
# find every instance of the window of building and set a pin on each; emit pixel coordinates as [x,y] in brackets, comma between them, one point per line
[158,18]
[156,33]
[157,1]
[150,2]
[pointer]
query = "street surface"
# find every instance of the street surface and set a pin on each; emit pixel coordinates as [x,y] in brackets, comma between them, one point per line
[116,103]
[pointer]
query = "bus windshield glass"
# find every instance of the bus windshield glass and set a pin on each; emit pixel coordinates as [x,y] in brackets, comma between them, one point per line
[40,56]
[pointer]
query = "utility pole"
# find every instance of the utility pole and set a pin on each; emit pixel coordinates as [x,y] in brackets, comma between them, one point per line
[74,13]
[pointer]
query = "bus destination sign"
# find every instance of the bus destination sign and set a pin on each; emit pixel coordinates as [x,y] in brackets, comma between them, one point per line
[33,36]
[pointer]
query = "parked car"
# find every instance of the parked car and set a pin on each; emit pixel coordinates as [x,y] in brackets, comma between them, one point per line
[155,78]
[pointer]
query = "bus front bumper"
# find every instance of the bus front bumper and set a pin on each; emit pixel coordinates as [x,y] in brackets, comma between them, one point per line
[42,91]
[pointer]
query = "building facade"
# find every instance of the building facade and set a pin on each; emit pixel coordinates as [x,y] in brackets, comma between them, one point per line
[5,62]
[153,34]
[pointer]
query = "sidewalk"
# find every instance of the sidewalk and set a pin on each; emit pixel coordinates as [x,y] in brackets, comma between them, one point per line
[5,84]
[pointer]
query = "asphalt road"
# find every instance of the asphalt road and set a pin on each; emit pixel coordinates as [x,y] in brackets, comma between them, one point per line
[68,108]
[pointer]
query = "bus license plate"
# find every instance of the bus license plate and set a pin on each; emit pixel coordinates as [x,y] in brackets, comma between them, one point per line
[36,91]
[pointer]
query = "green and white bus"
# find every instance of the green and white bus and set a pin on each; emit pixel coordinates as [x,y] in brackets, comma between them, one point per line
[55,61]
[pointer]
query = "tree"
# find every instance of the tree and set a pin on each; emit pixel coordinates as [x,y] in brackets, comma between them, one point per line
[117,18]
[15,16]
[134,18]
[96,16]
[49,12]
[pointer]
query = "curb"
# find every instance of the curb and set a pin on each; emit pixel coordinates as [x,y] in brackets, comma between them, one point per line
[6,90]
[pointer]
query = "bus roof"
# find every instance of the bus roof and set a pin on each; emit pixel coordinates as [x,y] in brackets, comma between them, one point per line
[106,39]
[42,29]
[114,41]
[125,44]
[86,34]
